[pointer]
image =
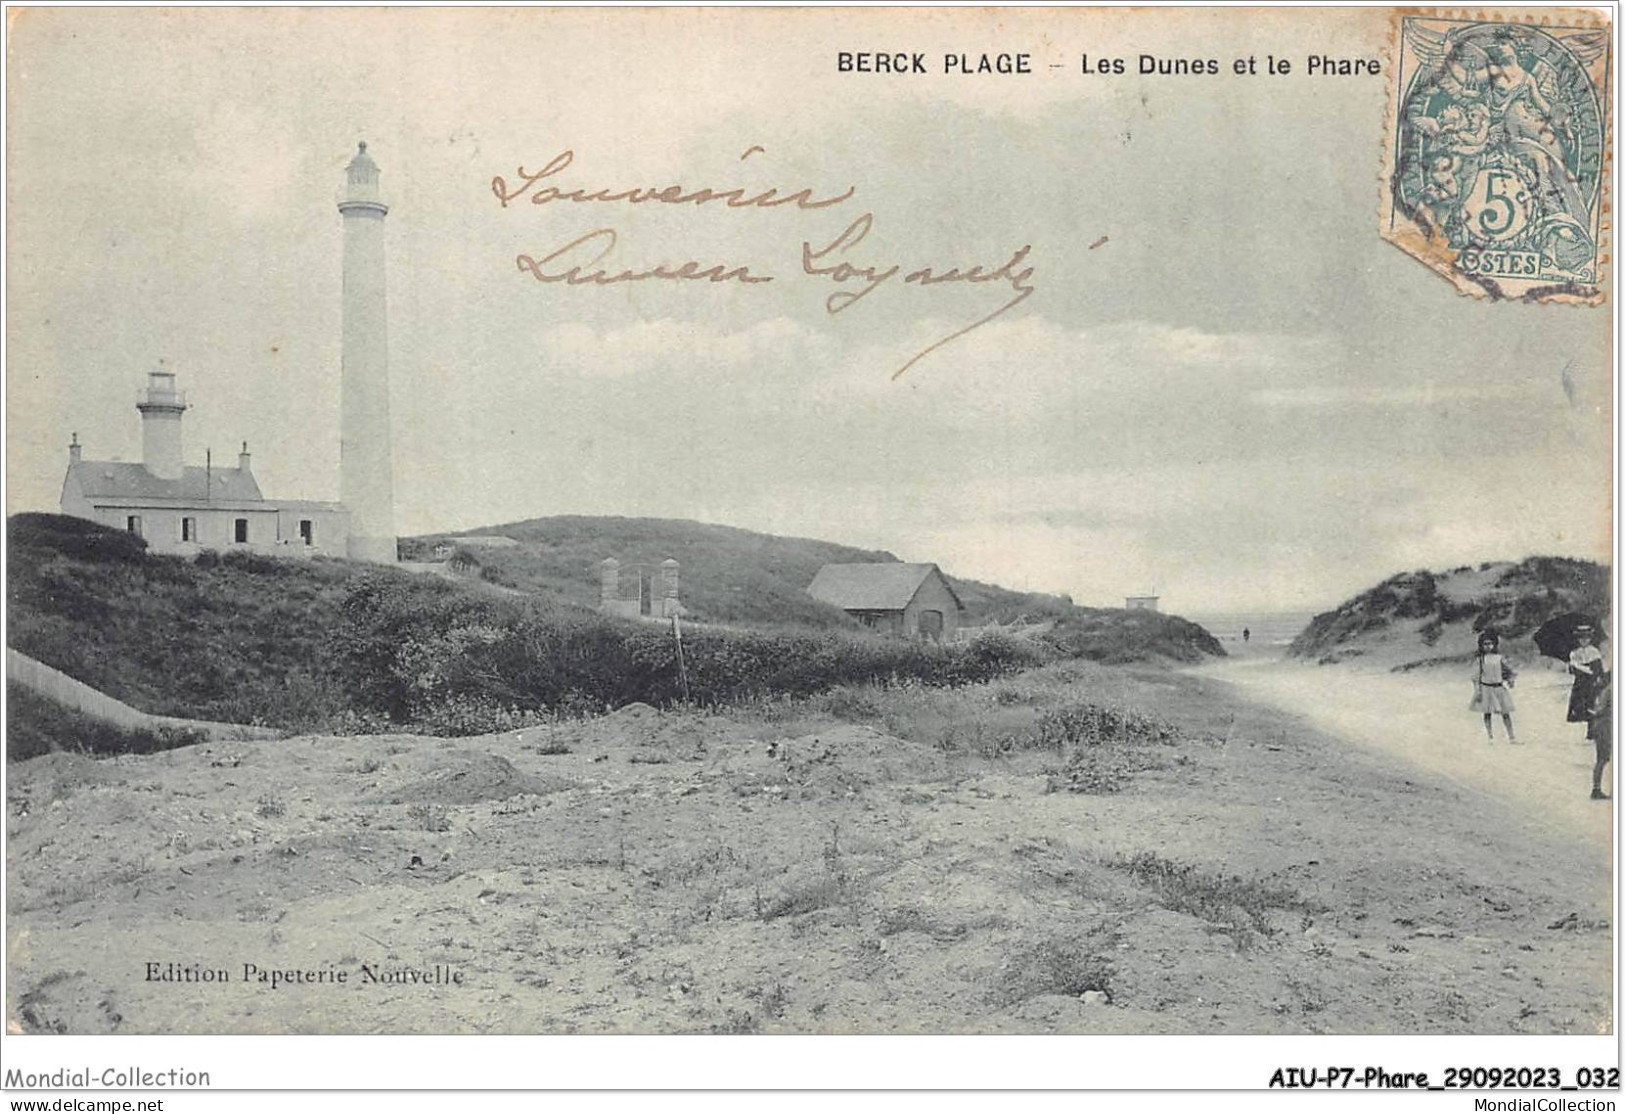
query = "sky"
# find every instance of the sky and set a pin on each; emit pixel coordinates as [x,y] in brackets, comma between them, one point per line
[1224,386]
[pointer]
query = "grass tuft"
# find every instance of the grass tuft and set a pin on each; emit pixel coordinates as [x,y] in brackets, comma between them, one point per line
[1069,966]
[1240,907]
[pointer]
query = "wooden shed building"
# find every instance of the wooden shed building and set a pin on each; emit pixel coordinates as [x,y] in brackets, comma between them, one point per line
[914,601]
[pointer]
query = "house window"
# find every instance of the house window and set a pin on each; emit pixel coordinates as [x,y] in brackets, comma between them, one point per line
[133,524]
[188,529]
[242,530]
[307,531]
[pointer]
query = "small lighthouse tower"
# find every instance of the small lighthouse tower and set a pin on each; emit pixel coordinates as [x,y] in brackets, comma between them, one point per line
[366,483]
[161,407]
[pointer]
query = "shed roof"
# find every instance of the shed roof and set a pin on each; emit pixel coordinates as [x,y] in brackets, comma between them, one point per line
[99,479]
[874,586]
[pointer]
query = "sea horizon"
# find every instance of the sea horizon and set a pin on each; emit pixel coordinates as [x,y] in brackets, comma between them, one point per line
[1266,627]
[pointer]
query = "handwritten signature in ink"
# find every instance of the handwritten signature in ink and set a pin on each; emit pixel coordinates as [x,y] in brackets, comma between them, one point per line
[582,262]
[738,197]
[1015,272]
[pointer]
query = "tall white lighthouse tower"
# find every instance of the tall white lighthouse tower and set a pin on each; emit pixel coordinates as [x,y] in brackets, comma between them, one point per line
[366,484]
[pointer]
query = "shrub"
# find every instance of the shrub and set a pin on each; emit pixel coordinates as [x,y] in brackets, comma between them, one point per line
[243,560]
[1239,906]
[807,896]
[855,703]
[1118,637]
[73,537]
[37,725]
[353,722]
[995,652]
[314,645]
[457,715]
[430,817]
[1104,747]
[394,643]
[1431,632]
[435,655]
[1087,724]
[195,638]
[1071,966]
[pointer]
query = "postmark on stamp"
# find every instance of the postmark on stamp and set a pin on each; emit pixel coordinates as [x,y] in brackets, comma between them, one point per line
[1498,149]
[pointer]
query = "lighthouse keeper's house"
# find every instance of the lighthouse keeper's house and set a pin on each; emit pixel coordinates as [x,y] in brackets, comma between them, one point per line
[181,508]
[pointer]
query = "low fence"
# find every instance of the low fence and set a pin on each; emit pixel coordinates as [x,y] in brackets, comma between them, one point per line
[56,685]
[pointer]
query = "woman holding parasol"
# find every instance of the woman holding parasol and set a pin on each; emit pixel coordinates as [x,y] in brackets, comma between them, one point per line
[1589,669]
[1573,638]
[1591,701]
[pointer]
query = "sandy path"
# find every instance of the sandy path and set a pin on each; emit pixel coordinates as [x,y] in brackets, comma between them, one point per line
[1423,719]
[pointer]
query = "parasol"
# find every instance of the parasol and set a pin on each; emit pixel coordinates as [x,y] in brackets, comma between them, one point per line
[1556,639]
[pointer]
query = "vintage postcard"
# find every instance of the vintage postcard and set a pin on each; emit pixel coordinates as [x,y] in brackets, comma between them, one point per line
[538,523]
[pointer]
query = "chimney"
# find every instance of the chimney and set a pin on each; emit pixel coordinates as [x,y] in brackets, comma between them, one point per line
[243,459]
[161,407]
[73,450]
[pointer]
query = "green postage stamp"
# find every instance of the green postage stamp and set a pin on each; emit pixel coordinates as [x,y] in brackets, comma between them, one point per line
[1498,151]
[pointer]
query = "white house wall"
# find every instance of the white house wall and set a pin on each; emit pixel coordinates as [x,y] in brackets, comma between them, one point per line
[270,530]
[330,530]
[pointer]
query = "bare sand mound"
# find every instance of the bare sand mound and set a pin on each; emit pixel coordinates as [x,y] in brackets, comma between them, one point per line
[53,776]
[843,760]
[467,778]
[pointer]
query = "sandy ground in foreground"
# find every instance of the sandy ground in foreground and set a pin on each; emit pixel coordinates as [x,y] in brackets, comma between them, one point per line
[1422,718]
[1359,863]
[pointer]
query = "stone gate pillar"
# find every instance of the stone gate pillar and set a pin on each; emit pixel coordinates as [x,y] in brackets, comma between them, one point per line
[668,583]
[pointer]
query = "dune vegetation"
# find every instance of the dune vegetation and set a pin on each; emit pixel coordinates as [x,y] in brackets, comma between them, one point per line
[327,645]
[1421,618]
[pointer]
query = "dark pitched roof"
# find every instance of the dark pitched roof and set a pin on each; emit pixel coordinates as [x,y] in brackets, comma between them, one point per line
[108,479]
[878,586]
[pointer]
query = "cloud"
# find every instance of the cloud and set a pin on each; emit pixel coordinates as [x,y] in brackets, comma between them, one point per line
[1211,536]
[678,347]
[1423,394]
[1031,367]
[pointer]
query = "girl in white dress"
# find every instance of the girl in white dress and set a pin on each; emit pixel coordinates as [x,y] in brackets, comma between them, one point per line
[1492,685]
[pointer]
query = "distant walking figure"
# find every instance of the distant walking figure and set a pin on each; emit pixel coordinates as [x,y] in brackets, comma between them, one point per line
[1246,634]
[1492,685]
